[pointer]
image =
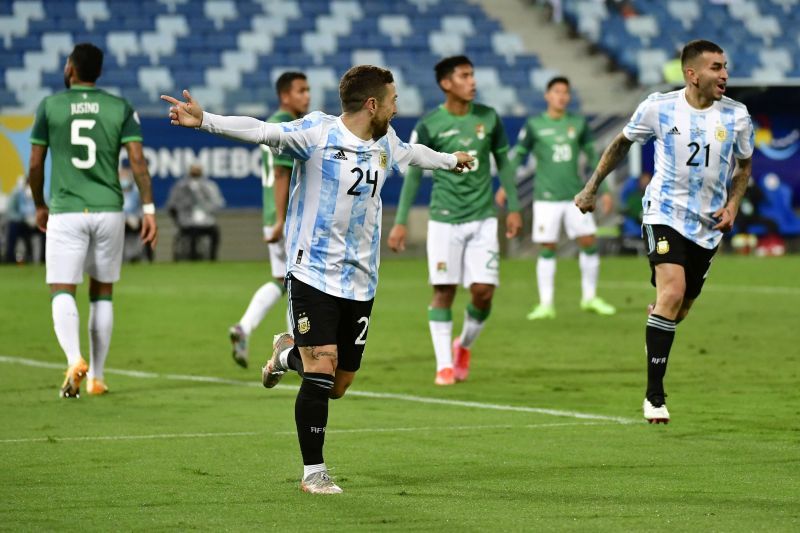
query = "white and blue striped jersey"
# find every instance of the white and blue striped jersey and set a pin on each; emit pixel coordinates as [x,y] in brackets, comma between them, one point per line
[333,221]
[695,153]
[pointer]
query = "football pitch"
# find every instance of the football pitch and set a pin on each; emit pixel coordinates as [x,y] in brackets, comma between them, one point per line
[547,434]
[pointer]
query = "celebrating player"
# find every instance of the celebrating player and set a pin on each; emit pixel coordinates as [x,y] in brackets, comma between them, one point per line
[83,218]
[462,232]
[294,96]
[703,140]
[556,138]
[333,234]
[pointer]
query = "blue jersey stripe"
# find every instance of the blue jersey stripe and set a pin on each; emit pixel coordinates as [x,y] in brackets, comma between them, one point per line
[666,120]
[321,234]
[691,218]
[719,194]
[298,188]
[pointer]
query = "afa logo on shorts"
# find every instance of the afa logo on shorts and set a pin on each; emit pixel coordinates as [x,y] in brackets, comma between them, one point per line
[303,324]
[662,246]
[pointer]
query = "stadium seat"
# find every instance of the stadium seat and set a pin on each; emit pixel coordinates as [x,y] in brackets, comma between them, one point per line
[540,77]
[29,10]
[29,98]
[409,100]
[91,11]
[320,79]
[743,10]
[239,60]
[424,5]
[503,99]
[368,57]
[211,97]
[220,11]
[508,45]
[768,75]
[122,45]
[318,45]
[458,25]
[650,63]
[446,44]
[778,59]
[255,42]
[349,9]
[645,27]
[265,25]
[786,5]
[287,9]
[172,5]
[57,43]
[155,80]
[41,61]
[156,45]
[396,27]
[12,26]
[333,24]
[684,11]
[172,25]
[487,78]
[22,79]
[765,27]
[223,78]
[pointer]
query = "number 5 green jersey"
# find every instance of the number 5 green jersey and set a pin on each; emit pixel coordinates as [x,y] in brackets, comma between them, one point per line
[556,145]
[458,198]
[85,129]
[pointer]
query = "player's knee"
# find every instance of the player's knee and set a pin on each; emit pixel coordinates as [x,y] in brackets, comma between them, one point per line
[338,391]
[482,296]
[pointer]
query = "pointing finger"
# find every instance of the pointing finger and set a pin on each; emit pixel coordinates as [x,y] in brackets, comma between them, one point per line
[169,99]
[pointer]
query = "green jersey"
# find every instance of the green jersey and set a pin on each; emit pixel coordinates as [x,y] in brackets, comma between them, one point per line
[268,175]
[556,144]
[85,129]
[468,196]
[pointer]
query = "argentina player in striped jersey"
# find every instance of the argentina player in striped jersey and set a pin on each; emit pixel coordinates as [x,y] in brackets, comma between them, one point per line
[333,227]
[703,160]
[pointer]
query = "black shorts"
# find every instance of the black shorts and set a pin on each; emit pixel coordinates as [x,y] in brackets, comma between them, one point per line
[319,319]
[665,245]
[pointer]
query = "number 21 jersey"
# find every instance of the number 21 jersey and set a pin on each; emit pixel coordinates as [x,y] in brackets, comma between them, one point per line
[695,157]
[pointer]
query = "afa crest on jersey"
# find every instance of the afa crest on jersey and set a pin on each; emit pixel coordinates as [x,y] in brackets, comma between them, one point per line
[303,325]
[383,160]
[662,247]
[721,133]
[480,132]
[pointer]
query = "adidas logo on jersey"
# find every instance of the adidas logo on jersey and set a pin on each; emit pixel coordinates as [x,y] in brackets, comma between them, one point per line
[340,155]
[674,131]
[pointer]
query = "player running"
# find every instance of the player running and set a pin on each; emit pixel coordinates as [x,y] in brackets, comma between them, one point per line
[462,240]
[556,138]
[333,228]
[294,97]
[85,127]
[704,140]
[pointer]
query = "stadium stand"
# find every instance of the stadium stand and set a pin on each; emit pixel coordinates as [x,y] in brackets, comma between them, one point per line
[759,37]
[230,51]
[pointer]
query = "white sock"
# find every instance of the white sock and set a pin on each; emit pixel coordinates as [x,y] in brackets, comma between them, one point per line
[590,267]
[472,328]
[442,336]
[313,469]
[262,301]
[546,277]
[283,357]
[101,323]
[66,323]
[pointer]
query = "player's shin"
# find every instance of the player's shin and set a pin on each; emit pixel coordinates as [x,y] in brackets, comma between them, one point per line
[546,275]
[66,323]
[311,415]
[474,319]
[262,301]
[101,324]
[659,336]
[589,262]
[441,327]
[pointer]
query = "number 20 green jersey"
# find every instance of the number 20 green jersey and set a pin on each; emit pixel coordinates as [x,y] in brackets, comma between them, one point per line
[85,128]
[556,145]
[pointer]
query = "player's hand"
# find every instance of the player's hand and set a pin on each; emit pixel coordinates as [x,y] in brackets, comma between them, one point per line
[464,162]
[277,233]
[188,114]
[585,200]
[149,230]
[726,216]
[513,224]
[397,238]
[606,203]
[500,197]
[42,214]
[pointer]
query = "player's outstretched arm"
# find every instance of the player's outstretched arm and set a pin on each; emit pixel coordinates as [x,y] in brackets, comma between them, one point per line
[141,176]
[727,214]
[188,113]
[612,156]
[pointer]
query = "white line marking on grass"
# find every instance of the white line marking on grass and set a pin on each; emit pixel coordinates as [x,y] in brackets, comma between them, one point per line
[360,393]
[134,437]
[710,287]
[159,436]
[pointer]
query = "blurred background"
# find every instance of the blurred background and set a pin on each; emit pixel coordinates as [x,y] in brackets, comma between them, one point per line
[230,52]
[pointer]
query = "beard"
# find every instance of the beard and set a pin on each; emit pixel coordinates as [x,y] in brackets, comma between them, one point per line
[379,129]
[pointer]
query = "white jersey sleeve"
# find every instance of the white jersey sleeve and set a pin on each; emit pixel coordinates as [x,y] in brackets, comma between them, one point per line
[643,124]
[745,138]
[297,138]
[418,155]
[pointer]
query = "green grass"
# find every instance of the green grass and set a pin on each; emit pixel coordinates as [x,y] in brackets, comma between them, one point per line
[223,456]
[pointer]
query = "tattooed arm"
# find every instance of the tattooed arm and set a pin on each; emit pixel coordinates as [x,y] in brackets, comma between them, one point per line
[741,176]
[612,156]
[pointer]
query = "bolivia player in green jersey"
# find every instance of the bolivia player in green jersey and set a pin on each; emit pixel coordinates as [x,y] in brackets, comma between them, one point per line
[85,127]
[294,97]
[555,138]
[462,230]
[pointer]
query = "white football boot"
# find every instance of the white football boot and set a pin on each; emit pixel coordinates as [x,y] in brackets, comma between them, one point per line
[653,414]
